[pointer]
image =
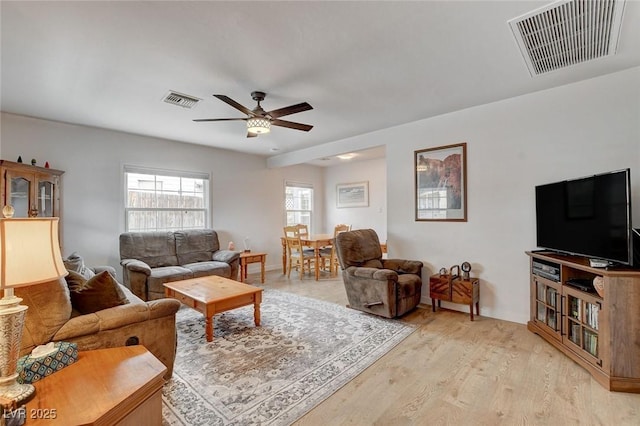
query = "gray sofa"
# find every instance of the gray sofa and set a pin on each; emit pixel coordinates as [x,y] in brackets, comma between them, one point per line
[150,259]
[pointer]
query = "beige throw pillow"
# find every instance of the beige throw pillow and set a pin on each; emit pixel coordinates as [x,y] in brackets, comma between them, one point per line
[49,309]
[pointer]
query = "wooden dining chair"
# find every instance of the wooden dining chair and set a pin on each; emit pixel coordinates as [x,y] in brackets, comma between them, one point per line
[298,257]
[303,230]
[328,254]
[304,234]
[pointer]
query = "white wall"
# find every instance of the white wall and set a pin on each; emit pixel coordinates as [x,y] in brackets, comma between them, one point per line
[247,198]
[512,146]
[575,130]
[375,215]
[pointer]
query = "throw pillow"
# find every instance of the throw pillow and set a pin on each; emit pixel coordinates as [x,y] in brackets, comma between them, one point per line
[75,263]
[75,280]
[99,292]
[49,309]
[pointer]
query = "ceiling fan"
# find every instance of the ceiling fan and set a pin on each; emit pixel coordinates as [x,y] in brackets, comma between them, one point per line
[260,121]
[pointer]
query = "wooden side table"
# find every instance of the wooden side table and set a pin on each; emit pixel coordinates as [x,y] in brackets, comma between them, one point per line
[466,292]
[252,257]
[455,289]
[120,386]
[439,289]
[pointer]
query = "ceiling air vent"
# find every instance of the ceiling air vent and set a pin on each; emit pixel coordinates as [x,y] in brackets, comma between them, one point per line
[568,32]
[181,99]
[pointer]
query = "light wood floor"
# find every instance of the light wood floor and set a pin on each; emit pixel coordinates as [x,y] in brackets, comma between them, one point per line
[455,372]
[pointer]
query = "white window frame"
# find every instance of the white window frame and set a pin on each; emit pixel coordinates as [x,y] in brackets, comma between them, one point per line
[309,211]
[153,174]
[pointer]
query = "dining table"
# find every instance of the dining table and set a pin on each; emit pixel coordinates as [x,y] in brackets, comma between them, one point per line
[315,241]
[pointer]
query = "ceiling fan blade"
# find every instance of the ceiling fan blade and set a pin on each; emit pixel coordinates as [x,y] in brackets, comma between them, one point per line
[292,109]
[251,135]
[292,125]
[234,104]
[219,119]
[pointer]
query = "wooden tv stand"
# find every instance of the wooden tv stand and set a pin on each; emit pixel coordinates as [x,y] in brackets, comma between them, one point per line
[598,332]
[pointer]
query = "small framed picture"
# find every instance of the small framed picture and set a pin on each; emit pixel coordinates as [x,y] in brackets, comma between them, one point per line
[441,183]
[352,194]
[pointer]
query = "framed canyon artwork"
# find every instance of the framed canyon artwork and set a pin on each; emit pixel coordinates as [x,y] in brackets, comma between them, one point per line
[441,183]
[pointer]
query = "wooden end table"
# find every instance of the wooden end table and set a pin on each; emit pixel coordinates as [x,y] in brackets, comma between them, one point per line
[103,387]
[212,294]
[252,257]
[454,289]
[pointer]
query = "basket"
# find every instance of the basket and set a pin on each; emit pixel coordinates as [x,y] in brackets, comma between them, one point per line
[598,284]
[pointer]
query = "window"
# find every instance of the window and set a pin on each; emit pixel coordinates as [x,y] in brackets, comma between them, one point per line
[298,203]
[164,200]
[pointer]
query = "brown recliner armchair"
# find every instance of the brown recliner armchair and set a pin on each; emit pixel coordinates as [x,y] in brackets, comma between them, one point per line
[386,287]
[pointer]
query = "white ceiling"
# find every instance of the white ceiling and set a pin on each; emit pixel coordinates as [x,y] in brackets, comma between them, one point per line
[363,66]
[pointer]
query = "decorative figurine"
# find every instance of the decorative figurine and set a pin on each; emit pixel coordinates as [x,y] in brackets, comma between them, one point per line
[46,165]
[33,161]
[19,158]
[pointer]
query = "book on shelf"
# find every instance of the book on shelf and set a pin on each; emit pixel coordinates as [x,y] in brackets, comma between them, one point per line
[594,345]
[592,315]
[542,312]
[541,293]
[551,296]
[590,343]
[552,320]
[575,308]
[575,333]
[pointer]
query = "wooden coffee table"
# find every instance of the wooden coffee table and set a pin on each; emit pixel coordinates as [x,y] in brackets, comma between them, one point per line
[213,294]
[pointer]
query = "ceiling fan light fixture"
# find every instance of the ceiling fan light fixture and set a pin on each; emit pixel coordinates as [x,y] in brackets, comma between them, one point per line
[258,125]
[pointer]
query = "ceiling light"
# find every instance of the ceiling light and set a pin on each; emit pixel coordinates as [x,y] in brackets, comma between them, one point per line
[258,125]
[347,156]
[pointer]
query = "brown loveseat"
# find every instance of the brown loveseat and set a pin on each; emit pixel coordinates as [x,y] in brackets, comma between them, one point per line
[150,259]
[51,318]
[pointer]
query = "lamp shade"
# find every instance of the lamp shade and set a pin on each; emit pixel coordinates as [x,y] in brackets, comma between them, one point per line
[29,252]
[258,125]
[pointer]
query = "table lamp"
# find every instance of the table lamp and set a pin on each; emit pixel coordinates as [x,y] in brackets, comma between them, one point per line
[29,255]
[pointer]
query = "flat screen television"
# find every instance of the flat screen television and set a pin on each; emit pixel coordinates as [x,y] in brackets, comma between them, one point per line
[589,216]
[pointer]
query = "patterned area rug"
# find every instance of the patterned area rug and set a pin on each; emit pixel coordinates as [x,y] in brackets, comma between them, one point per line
[302,353]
